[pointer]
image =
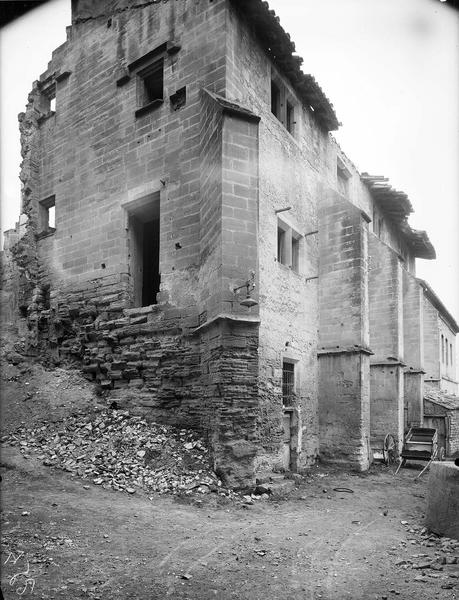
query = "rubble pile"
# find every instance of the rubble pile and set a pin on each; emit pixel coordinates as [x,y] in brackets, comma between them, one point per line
[121,452]
[441,561]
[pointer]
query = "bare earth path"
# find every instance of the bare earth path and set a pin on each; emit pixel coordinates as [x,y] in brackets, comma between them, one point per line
[63,540]
[93,543]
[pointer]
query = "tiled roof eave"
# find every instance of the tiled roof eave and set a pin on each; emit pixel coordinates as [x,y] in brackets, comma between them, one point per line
[280,48]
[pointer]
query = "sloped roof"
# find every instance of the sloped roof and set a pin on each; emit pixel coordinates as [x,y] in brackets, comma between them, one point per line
[397,206]
[280,48]
[446,400]
[435,300]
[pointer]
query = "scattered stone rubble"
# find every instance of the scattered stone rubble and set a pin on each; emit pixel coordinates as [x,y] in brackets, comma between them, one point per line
[439,562]
[122,452]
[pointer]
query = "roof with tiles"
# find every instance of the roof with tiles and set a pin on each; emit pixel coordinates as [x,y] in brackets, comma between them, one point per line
[280,49]
[397,207]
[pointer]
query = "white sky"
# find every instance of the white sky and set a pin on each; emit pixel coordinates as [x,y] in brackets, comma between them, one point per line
[390,68]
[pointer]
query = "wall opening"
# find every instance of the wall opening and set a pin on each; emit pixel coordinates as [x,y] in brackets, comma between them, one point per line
[275,100]
[144,249]
[288,383]
[47,215]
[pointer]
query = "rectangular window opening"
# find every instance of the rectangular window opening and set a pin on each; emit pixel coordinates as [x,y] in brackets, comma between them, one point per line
[290,114]
[153,82]
[288,383]
[275,100]
[47,215]
[442,349]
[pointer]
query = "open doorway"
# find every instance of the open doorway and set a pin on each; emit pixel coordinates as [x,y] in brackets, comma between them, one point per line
[144,249]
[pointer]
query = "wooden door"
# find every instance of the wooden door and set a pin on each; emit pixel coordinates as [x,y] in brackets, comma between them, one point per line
[287,422]
[439,423]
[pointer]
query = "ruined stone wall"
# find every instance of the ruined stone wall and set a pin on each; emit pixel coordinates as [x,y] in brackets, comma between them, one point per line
[98,158]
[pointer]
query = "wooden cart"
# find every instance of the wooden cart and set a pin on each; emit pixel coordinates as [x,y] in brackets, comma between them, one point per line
[420,444]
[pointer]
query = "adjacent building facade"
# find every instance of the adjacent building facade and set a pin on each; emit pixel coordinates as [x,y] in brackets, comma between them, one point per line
[196,240]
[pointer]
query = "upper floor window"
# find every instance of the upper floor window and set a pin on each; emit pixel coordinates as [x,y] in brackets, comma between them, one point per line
[283,105]
[342,175]
[275,100]
[149,72]
[442,349]
[288,246]
[150,88]
[47,215]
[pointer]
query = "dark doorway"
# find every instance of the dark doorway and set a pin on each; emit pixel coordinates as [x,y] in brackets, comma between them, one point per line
[144,249]
[151,278]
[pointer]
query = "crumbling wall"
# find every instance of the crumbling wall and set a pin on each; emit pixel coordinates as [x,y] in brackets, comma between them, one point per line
[97,158]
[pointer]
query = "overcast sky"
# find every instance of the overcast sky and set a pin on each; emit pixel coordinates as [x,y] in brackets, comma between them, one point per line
[390,68]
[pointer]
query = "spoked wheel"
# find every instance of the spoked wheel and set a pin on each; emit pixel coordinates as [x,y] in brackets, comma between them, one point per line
[389,449]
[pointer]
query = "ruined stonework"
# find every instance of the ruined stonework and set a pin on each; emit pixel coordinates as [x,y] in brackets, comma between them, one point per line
[216,261]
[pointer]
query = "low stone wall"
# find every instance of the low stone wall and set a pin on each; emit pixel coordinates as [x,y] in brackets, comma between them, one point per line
[442,515]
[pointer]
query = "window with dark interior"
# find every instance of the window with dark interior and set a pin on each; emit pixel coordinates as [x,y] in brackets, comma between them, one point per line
[288,383]
[275,100]
[151,83]
[290,118]
[144,249]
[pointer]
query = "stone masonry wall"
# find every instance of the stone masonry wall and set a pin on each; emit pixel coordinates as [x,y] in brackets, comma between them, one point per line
[344,385]
[386,339]
[413,337]
[291,168]
[97,158]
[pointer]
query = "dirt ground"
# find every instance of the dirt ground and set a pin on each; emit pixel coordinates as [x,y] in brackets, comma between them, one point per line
[63,540]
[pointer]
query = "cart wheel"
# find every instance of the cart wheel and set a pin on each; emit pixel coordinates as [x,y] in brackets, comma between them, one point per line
[441,453]
[389,449]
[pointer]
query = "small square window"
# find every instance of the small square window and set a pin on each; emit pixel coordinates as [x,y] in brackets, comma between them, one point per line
[47,215]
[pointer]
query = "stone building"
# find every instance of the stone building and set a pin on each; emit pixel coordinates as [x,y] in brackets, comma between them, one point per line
[195,239]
